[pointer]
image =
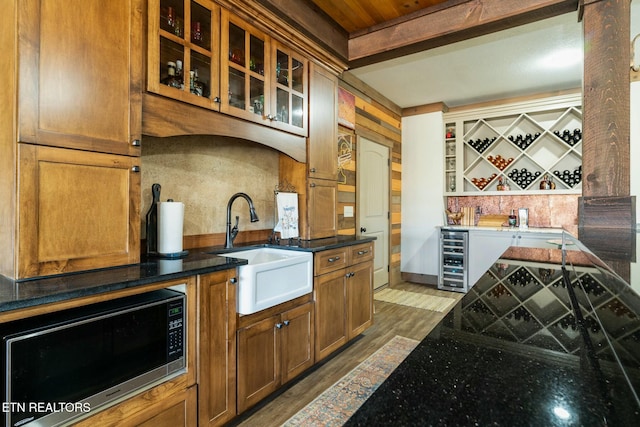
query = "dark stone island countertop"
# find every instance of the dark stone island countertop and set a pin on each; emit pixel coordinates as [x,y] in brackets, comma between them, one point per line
[545,338]
[15,295]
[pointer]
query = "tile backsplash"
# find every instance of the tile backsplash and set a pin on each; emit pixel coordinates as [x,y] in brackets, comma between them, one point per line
[554,210]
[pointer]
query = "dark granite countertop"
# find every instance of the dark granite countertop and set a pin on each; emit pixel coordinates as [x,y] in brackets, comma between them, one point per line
[16,295]
[532,343]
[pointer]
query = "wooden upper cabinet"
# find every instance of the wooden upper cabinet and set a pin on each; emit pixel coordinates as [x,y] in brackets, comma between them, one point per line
[322,157]
[262,80]
[245,70]
[289,90]
[80,66]
[79,210]
[184,51]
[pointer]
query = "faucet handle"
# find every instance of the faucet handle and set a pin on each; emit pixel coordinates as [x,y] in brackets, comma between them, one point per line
[234,230]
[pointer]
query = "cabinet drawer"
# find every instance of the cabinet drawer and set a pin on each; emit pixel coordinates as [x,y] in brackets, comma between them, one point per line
[331,260]
[361,253]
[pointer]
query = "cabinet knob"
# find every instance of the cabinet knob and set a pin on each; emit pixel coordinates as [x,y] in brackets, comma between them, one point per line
[216,99]
[363,252]
[312,170]
[233,280]
[334,259]
[135,143]
[286,322]
[363,229]
[312,185]
[135,168]
[279,325]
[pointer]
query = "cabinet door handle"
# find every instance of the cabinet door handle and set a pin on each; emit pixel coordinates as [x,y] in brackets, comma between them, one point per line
[135,143]
[334,259]
[135,169]
[366,251]
[279,325]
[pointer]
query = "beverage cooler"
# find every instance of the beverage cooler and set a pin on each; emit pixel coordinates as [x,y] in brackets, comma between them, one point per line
[453,272]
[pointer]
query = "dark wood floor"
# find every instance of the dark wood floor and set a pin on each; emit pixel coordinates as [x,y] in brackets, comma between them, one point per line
[389,320]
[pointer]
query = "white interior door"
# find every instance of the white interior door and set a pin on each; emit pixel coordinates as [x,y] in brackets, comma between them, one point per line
[373,203]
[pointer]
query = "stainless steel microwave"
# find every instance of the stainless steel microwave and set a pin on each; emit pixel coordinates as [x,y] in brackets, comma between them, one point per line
[61,366]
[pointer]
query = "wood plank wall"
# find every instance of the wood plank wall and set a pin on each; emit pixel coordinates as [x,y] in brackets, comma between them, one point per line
[378,120]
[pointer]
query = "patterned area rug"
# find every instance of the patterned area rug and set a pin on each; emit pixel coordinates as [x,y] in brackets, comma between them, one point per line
[341,400]
[414,299]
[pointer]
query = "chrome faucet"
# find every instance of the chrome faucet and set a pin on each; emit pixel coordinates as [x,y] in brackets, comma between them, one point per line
[233,232]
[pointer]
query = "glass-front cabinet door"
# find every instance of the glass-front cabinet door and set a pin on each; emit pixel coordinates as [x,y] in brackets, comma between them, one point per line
[245,56]
[183,59]
[289,85]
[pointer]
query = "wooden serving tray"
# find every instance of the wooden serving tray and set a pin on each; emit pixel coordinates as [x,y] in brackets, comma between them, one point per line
[492,220]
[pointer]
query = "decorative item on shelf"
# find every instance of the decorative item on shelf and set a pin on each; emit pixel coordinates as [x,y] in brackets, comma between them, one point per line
[523,178]
[196,32]
[570,138]
[513,219]
[523,141]
[454,217]
[570,178]
[499,161]
[547,183]
[171,17]
[481,145]
[451,132]
[481,183]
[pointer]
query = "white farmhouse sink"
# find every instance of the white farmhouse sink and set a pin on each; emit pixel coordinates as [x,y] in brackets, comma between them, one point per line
[273,276]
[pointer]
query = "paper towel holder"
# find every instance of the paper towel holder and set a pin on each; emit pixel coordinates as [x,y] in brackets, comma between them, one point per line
[152,228]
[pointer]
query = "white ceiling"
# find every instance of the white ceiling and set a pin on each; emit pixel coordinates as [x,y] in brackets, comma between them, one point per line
[535,58]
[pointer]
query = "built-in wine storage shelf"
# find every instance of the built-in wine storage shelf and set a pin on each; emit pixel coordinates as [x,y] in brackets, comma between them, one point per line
[524,147]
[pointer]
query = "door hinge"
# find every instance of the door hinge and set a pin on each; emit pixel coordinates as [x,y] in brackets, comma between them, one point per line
[388,215]
[389,162]
[388,269]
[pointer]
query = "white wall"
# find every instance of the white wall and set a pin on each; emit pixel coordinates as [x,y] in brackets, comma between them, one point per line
[422,189]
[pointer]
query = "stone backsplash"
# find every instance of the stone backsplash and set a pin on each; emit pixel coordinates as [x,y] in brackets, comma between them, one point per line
[553,210]
[203,172]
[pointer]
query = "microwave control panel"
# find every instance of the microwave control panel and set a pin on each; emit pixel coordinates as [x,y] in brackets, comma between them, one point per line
[175,331]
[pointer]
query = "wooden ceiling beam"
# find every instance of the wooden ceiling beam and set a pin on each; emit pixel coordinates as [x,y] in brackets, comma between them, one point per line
[460,21]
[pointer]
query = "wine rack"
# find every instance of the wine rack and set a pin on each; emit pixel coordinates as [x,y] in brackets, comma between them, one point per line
[528,303]
[529,146]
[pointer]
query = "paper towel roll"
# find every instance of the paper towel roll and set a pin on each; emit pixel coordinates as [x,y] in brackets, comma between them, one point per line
[170,220]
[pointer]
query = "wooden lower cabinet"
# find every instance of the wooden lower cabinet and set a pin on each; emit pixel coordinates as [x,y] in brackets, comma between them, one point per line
[272,351]
[343,293]
[176,410]
[217,348]
[359,298]
[331,324]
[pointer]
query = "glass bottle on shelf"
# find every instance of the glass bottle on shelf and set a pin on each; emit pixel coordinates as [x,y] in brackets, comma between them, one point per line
[171,80]
[179,75]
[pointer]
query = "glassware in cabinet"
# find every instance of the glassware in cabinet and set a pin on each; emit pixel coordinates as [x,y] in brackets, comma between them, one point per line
[290,86]
[450,160]
[182,38]
[245,53]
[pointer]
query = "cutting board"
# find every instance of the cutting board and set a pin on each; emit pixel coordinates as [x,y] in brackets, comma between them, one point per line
[492,220]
